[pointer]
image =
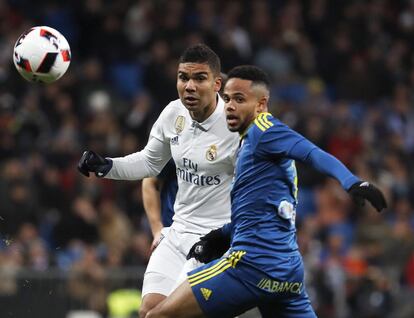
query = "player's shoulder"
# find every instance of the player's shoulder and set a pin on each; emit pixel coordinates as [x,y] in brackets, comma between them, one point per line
[173,109]
[263,123]
[175,105]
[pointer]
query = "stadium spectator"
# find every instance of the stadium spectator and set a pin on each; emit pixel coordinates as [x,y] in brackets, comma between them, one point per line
[331,34]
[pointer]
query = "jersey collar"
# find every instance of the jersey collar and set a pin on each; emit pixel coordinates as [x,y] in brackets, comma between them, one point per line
[244,133]
[218,112]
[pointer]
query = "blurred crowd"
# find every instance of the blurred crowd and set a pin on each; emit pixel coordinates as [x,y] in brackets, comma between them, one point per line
[343,76]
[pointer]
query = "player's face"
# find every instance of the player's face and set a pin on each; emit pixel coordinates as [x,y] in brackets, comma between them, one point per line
[243,102]
[197,87]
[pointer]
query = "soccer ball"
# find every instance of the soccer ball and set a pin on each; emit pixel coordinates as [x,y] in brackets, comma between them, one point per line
[41,54]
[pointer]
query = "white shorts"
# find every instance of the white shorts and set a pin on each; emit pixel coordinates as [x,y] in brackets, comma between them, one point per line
[168,265]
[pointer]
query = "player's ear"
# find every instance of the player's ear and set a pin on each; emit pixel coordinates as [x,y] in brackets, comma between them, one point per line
[262,104]
[217,84]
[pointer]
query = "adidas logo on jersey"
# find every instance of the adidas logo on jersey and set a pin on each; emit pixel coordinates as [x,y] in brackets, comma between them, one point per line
[206,293]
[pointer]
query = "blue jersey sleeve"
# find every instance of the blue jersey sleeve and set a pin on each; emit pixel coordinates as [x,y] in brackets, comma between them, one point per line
[226,229]
[280,141]
[328,164]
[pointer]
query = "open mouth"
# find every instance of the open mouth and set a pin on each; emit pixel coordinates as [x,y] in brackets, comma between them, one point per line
[231,120]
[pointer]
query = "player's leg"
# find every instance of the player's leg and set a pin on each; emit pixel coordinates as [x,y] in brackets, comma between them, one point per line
[181,303]
[163,268]
[221,288]
[214,290]
[296,307]
[290,297]
[150,301]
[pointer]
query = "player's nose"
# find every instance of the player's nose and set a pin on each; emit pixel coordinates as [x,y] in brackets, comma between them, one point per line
[229,107]
[190,86]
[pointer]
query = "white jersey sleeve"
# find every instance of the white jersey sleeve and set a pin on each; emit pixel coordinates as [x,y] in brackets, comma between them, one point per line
[147,162]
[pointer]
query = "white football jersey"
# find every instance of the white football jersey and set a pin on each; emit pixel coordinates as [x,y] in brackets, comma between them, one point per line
[204,155]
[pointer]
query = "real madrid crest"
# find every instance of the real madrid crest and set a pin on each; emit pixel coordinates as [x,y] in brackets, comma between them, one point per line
[179,124]
[211,153]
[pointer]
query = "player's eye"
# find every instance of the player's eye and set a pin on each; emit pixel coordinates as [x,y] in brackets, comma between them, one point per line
[239,100]
[183,77]
[200,78]
[226,98]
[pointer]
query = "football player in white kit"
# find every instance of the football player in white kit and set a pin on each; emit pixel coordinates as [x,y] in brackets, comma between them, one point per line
[191,129]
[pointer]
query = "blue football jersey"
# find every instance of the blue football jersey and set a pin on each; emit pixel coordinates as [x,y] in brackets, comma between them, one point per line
[265,189]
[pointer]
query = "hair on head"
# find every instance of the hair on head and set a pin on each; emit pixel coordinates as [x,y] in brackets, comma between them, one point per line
[251,73]
[201,53]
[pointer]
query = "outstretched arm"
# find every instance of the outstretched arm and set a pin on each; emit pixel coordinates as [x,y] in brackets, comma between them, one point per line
[358,190]
[142,164]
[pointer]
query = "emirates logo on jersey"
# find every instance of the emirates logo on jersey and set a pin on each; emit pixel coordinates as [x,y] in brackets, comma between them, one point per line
[211,153]
[179,124]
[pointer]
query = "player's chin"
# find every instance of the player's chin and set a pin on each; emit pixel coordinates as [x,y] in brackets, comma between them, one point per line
[192,105]
[233,124]
[232,127]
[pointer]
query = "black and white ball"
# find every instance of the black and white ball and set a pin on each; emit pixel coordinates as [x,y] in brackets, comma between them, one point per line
[42,54]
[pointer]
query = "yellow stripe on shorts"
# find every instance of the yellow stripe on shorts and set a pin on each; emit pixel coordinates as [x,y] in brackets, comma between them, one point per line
[216,269]
[203,278]
[208,271]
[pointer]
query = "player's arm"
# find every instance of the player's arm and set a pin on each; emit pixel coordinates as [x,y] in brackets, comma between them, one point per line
[152,205]
[324,162]
[136,166]
[281,141]
[145,163]
[212,245]
[359,190]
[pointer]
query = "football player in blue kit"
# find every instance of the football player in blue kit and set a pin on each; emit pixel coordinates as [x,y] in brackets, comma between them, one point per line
[262,265]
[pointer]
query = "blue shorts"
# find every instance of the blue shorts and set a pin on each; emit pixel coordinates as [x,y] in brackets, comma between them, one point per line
[231,285]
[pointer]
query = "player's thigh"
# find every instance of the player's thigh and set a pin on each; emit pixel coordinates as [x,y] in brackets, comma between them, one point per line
[149,301]
[181,303]
[297,306]
[163,268]
[286,294]
[219,289]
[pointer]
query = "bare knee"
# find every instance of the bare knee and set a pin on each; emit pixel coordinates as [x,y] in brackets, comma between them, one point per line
[156,313]
[149,302]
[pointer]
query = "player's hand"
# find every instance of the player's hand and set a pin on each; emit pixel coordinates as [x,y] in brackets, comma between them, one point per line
[156,241]
[210,247]
[364,190]
[92,162]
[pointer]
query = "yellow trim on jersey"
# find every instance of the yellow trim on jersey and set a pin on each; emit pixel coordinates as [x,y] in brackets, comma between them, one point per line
[263,122]
[259,125]
[265,118]
[295,181]
[216,269]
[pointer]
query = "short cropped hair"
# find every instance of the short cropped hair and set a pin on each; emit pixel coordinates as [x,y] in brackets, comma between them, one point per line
[201,53]
[250,73]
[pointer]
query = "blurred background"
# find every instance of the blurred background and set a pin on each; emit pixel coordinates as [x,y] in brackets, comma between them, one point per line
[342,74]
